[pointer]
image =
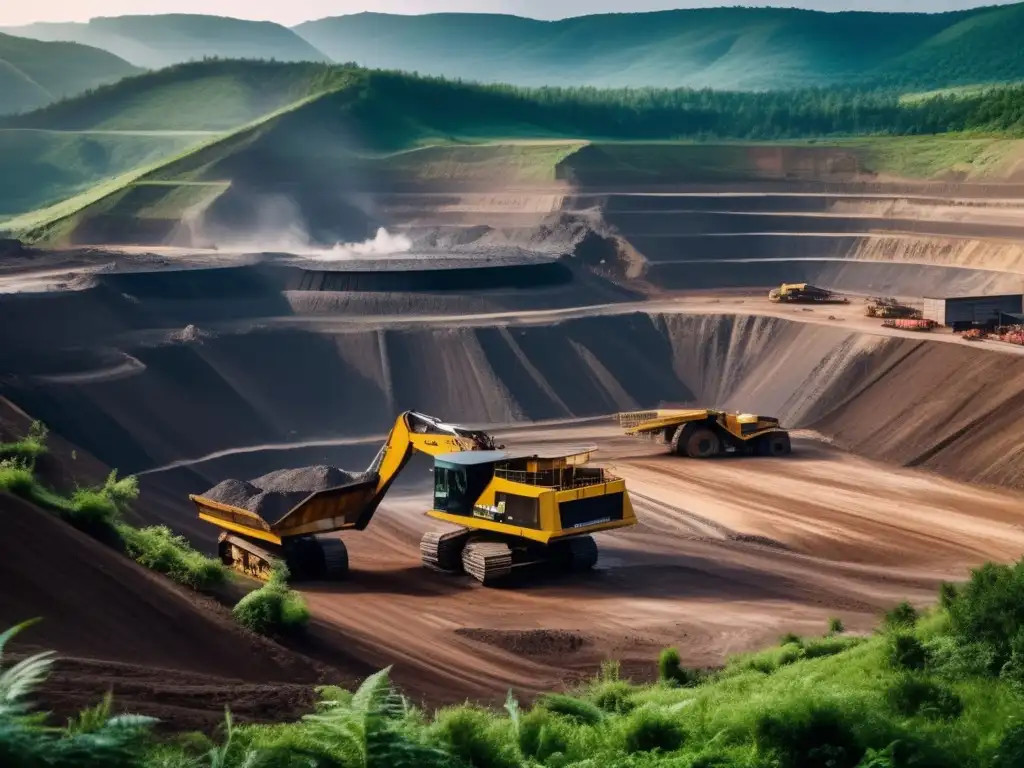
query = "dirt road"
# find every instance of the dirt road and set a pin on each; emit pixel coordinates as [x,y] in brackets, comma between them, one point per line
[729,555]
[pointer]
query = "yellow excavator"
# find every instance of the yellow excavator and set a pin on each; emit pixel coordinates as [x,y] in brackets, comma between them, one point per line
[514,510]
[703,433]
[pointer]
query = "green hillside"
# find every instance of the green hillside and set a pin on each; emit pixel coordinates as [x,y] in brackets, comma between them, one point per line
[42,167]
[161,40]
[199,96]
[735,48]
[33,73]
[359,130]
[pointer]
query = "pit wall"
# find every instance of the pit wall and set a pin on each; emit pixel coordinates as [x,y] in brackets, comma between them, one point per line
[949,407]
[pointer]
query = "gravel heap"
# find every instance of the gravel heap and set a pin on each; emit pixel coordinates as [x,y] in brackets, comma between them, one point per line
[273,495]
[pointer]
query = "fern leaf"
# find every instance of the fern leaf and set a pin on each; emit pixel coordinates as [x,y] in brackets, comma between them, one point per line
[373,692]
[6,636]
[21,679]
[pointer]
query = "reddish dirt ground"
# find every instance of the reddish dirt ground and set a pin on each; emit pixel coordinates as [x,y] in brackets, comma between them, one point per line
[729,555]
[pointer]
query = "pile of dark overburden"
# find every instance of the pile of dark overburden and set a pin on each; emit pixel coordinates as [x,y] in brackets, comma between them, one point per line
[273,495]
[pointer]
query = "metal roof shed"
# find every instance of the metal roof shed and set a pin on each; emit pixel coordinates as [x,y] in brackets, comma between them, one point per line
[971,310]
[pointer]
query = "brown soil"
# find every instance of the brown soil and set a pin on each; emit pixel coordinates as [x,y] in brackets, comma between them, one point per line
[163,651]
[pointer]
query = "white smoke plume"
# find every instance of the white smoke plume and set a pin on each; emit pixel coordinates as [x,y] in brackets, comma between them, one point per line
[382,244]
[280,230]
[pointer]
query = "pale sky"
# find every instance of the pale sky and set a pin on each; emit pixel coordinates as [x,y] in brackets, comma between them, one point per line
[14,12]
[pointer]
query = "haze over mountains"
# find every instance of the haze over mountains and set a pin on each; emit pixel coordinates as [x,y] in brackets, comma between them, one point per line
[33,74]
[723,48]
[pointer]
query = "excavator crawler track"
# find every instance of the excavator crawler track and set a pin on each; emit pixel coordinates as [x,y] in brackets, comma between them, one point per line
[442,550]
[244,556]
[489,562]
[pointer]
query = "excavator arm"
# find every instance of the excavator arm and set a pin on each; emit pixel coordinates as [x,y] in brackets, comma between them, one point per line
[414,432]
[352,505]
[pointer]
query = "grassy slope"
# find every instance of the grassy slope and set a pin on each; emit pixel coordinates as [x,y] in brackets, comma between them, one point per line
[34,73]
[162,40]
[736,48]
[206,96]
[42,167]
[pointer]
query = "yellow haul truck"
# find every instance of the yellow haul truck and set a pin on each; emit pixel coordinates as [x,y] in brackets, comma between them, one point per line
[703,433]
[515,510]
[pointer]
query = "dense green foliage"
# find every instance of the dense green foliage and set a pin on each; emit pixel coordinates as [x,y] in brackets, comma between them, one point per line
[723,48]
[274,608]
[98,511]
[388,109]
[34,73]
[847,704]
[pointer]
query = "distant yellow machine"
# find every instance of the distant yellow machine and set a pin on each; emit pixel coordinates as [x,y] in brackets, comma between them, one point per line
[805,293]
[703,433]
[514,510]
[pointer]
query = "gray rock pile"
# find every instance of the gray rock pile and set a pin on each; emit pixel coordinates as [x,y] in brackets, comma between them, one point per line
[273,495]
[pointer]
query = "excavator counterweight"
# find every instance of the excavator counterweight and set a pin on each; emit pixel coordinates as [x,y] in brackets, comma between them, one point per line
[513,509]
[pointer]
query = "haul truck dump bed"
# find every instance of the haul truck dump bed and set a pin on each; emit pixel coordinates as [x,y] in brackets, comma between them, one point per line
[514,509]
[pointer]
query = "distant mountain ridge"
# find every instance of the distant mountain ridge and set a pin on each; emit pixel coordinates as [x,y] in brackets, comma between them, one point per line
[34,74]
[162,40]
[722,48]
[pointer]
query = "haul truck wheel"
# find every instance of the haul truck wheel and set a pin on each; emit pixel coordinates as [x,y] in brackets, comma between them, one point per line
[777,444]
[702,443]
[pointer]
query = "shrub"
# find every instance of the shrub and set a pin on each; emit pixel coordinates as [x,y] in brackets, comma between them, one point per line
[1010,751]
[905,651]
[28,448]
[989,608]
[16,477]
[829,646]
[470,734]
[671,670]
[910,696]
[791,639]
[578,710]
[808,737]
[836,626]
[903,616]
[274,608]
[615,696]
[541,736]
[647,730]
[158,549]
[947,595]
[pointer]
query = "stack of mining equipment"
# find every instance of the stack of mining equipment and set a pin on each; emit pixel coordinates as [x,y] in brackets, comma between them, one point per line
[891,309]
[804,293]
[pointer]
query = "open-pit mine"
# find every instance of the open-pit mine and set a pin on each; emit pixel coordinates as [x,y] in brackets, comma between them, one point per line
[536,313]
